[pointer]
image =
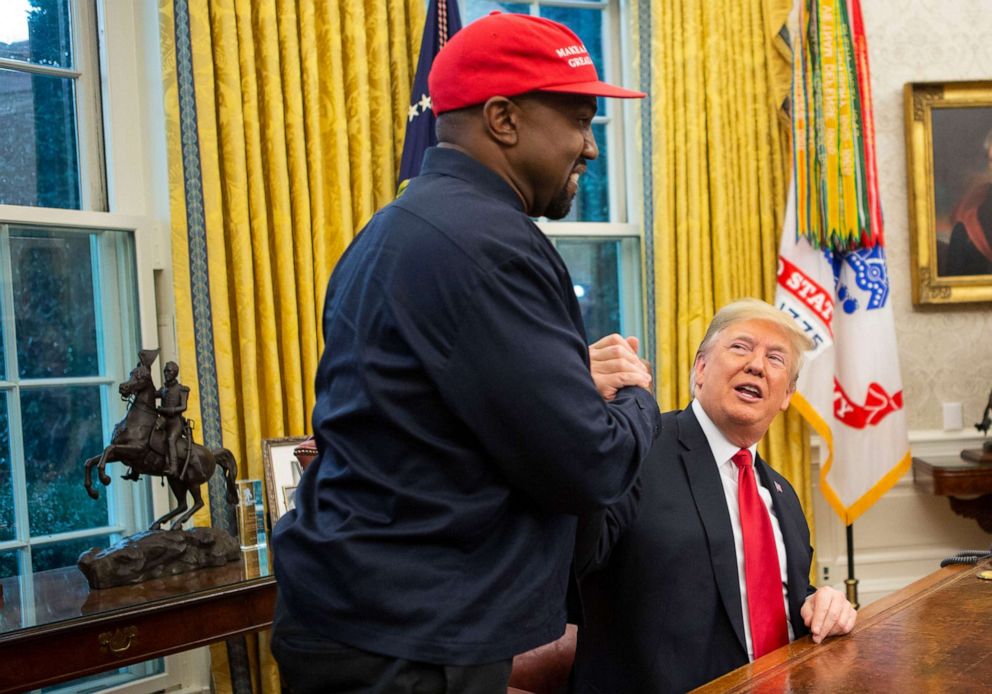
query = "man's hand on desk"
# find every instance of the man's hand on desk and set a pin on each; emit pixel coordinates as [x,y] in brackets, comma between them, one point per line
[614,364]
[828,613]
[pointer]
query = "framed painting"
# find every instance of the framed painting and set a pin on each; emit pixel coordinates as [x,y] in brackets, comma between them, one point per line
[949,156]
[282,474]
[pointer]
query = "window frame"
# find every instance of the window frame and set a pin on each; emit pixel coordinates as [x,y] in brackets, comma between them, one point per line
[130,506]
[85,74]
[623,172]
[126,109]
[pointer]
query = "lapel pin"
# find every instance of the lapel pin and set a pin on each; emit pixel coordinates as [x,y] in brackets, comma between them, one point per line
[778,487]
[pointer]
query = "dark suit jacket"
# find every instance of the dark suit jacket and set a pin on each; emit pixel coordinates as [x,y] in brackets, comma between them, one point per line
[658,572]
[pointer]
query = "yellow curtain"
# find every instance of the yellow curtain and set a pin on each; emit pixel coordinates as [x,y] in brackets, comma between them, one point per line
[285,130]
[720,161]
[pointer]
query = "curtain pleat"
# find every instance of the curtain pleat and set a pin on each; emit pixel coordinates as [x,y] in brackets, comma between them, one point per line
[717,72]
[300,113]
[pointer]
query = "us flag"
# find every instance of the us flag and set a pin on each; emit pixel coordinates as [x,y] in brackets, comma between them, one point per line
[441,24]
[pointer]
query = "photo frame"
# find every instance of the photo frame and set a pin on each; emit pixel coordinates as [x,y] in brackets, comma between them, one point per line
[949,169]
[282,473]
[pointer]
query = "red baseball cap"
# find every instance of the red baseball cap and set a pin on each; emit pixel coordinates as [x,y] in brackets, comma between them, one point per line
[512,54]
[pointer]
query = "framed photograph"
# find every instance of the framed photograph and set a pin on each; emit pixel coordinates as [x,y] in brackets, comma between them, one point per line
[251,514]
[949,156]
[282,474]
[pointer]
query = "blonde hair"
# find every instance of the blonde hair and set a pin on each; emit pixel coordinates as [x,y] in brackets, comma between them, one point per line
[754,309]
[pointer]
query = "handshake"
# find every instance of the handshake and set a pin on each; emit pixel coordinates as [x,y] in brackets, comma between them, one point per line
[614,364]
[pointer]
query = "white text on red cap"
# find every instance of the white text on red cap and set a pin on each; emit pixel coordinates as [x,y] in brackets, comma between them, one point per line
[578,50]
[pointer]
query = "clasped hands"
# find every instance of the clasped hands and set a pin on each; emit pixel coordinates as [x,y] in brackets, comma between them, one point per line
[614,364]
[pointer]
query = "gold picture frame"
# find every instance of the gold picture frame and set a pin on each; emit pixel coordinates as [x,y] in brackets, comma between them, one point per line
[282,473]
[949,168]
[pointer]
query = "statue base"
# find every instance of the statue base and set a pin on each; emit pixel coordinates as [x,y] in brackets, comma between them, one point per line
[978,455]
[157,553]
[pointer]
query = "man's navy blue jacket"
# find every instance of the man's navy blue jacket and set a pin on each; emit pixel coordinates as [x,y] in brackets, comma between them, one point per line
[459,432]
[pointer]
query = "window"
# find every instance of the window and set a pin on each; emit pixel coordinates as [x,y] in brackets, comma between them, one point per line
[68,322]
[49,105]
[58,370]
[597,241]
[76,285]
[606,276]
[68,309]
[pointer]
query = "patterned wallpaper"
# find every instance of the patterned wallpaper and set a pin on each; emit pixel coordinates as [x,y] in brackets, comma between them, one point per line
[945,353]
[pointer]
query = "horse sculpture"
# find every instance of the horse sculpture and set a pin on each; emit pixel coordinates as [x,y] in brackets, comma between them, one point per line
[138,443]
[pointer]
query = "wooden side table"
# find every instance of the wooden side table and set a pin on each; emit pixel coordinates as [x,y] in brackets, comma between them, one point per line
[967,484]
[62,630]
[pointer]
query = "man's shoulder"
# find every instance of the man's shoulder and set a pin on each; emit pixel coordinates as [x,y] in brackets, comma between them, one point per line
[669,432]
[675,422]
[453,221]
[450,204]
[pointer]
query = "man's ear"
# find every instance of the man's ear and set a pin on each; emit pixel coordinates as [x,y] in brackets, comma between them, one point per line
[698,366]
[788,397]
[501,117]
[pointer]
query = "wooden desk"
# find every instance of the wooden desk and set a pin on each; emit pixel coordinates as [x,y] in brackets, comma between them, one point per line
[67,631]
[967,484]
[931,636]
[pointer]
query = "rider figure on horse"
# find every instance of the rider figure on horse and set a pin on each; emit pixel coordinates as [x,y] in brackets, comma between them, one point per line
[147,442]
[173,396]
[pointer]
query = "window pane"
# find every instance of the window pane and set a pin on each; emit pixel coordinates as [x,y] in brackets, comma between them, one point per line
[3,339]
[62,428]
[588,26]
[60,554]
[6,476]
[53,304]
[592,200]
[595,267]
[36,31]
[8,567]
[38,154]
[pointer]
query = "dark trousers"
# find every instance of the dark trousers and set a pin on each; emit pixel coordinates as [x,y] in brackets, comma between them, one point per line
[309,664]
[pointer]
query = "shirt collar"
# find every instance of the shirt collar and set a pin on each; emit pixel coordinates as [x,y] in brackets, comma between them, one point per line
[447,161]
[721,448]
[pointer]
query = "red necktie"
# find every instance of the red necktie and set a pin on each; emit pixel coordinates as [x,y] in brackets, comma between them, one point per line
[762,575]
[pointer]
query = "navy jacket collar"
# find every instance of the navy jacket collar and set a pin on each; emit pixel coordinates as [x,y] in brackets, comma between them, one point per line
[446,161]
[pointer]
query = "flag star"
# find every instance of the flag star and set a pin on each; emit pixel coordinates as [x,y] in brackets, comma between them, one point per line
[425,103]
[412,113]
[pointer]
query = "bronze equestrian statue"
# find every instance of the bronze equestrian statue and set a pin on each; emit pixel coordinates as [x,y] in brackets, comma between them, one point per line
[984,425]
[141,445]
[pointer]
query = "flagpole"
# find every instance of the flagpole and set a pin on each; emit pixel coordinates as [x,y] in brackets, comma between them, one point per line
[851,582]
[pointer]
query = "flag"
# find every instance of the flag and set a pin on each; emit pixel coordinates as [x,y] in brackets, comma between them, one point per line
[441,24]
[832,275]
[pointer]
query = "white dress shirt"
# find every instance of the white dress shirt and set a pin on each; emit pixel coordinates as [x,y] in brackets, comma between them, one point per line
[723,451]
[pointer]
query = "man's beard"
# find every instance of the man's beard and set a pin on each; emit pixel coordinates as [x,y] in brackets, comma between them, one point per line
[560,204]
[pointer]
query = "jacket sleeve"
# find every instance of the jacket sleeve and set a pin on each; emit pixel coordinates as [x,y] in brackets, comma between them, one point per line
[518,377]
[599,532]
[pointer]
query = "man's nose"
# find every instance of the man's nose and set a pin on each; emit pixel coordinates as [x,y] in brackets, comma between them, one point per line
[590,151]
[756,364]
